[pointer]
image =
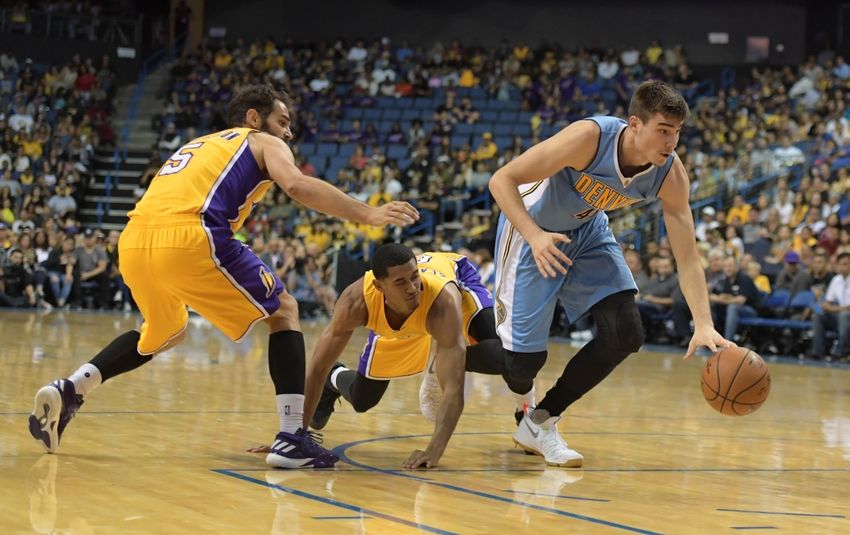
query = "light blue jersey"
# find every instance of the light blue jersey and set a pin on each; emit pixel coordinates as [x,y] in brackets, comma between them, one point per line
[571,198]
[573,202]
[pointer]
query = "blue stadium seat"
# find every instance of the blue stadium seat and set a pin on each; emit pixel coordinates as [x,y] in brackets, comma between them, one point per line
[489,116]
[307,149]
[346,150]
[392,114]
[464,128]
[507,117]
[502,141]
[459,140]
[371,114]
[410,114]
[326,149]
[353,113]
[397,152]
[503,129]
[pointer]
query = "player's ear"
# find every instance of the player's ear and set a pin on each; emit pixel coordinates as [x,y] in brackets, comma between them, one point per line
[377,284]
[252,119]
[634,121]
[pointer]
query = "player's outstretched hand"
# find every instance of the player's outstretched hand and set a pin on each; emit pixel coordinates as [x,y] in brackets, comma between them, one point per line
[421,459]
[707,337]
[547,256]
[393,213]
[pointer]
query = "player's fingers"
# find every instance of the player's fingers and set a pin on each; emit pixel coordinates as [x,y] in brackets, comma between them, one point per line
[553,261]
[691,349]
[409,209]
[541,268]
[560,255]
[547,265]
[560,237]
[711,345]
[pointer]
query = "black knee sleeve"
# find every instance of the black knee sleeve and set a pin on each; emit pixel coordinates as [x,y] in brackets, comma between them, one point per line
[619,326]
[521,369]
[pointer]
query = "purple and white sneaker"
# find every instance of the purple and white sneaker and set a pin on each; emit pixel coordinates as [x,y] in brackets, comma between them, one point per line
[55,405]
[300,450]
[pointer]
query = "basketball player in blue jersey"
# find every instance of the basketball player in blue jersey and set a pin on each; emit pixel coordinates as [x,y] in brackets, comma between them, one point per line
[179,250]
[554,242]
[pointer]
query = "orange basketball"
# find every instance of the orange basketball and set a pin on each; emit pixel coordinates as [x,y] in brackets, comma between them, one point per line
[735,381]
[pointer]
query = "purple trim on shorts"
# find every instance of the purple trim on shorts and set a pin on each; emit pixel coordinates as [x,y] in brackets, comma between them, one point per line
[363,365]
[246,271]
[470,280]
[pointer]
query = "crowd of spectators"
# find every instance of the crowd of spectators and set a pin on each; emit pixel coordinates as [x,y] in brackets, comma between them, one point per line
[766,155]
[52,119]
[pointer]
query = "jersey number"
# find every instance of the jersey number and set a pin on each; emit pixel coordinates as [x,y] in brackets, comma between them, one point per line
[180,159]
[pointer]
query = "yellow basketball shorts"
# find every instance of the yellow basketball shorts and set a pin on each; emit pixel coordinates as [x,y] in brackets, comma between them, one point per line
[174,263]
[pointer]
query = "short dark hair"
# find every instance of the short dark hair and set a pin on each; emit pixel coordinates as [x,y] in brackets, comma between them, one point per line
[390,255]
[842,256]
[655,96]
[256,97]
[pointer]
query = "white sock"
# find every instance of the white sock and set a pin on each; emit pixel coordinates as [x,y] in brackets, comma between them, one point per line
[86,379]
[290,409]
[335,374]
[524,400]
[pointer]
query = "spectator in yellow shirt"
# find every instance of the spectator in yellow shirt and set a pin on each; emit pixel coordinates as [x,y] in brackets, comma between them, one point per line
[487,149]
[740,210]
[761,281]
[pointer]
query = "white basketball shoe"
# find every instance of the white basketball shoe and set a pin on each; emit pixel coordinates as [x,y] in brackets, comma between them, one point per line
[543,439]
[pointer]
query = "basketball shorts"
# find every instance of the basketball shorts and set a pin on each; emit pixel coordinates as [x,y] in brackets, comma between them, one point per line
[173,263]
[525,299]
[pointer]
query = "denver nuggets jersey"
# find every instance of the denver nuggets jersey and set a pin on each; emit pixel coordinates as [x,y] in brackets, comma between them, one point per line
[215,177]
[571,198]
[435,270]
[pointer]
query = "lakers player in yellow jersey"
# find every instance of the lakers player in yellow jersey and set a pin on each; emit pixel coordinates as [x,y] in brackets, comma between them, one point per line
[416,308]
[178,250]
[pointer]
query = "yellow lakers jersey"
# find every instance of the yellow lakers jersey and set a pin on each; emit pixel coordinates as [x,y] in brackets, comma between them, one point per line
[215,177]
[435,270]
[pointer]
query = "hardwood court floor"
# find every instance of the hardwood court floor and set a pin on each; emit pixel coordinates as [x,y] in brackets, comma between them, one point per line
[162,450]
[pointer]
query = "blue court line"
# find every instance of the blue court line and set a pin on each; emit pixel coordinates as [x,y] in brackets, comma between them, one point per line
[754,527]
[355,470]
[341,517]
[336,503]
[780,513]
[341,449]
[556,495]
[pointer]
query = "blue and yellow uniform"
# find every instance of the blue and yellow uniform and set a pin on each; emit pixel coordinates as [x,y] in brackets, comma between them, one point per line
[178,249]
[391,353]
[574,203]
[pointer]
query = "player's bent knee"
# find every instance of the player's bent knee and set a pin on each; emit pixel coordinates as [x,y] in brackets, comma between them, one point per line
[524,365]
[285,318]
[618,324]
[363,405]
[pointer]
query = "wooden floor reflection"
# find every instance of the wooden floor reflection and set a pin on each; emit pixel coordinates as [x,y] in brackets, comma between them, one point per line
[161,450]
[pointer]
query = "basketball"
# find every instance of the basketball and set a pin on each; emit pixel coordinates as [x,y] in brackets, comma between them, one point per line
[735,381]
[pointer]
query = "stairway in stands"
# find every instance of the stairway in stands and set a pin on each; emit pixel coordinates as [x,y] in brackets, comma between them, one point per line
[110,197]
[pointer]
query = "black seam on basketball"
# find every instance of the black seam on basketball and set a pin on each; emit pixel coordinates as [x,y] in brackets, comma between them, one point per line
[749,387]
[731,381]
[713,391]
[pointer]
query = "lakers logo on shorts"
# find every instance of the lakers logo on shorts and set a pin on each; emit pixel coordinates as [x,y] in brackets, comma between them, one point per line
[268,280]
[501,313]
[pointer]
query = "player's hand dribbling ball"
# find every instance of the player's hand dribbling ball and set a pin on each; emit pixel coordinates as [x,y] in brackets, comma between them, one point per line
[735,381]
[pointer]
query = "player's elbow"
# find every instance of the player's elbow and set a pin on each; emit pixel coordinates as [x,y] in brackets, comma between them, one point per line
[293,187]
